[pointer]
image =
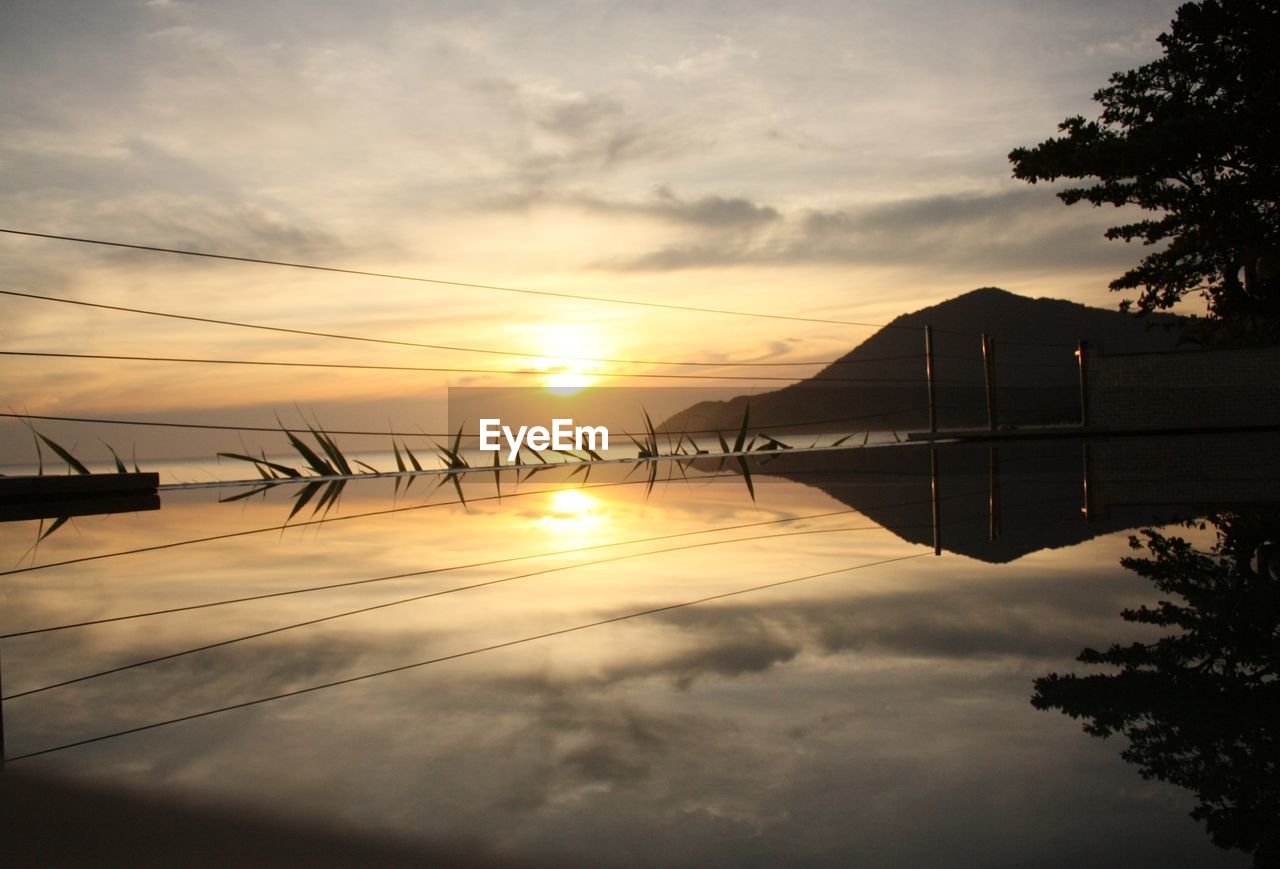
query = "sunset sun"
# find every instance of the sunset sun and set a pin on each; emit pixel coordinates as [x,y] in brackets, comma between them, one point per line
[567,358]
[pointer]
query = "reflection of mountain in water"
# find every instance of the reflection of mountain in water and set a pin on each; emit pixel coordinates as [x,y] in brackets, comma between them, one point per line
[998,504]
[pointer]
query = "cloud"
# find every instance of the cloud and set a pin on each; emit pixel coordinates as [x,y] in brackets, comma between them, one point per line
[711,212]
[1023,228]
[546,133]
[708,61]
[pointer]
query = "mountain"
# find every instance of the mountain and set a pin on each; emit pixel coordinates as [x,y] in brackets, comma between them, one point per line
[881,382]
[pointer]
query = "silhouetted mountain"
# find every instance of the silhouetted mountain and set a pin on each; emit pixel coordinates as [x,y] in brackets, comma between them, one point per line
[1036,370]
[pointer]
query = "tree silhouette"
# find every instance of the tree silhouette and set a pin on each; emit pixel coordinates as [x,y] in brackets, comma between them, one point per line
[1201,707]
[1192,136]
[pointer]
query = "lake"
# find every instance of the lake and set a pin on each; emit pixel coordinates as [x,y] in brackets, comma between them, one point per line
[618,671]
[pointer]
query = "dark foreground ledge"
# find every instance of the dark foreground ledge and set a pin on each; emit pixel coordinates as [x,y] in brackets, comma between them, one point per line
[50,497]
[1049,432]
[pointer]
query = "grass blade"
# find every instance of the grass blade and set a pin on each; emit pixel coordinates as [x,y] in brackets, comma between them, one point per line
[39,454]
[742,434]
[57,523]
[120,468]
[330,497]
[413,460]
[256,490]
[457,486]
[497,475]
[330,447]
[284,469]
[746,476]
[307,493]
[319,465]
[71,460]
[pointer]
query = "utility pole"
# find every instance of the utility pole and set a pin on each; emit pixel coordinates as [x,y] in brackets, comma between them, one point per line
[928,370]
[989,365]
[1081,350]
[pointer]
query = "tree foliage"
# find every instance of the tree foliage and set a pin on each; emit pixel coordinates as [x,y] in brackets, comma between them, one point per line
[1192,136]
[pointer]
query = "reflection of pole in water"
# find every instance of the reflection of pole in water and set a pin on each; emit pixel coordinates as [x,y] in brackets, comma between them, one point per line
[2,752]
[993,493]
[989,369]
[937,516]
[1087,509]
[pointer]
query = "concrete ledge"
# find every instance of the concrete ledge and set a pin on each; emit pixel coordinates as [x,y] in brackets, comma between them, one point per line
[62,496]
[59,508]
[47,486]
[1019,434]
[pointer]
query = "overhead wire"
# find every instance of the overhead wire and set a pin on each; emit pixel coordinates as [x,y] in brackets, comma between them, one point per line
[394,510]
[411,574]
[456,655]
[401,668]
[491,287]
[446,369]
[442,281]
[426,596]
[450,347]
[392,433]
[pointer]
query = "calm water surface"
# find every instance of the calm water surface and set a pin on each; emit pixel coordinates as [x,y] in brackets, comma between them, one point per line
[548,702]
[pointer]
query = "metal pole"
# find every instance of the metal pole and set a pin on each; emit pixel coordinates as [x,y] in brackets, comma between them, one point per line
[937,510]
[1081,350]
[928,369]
[989,365]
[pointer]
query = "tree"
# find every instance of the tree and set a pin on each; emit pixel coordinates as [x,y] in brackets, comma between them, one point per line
[1192,136]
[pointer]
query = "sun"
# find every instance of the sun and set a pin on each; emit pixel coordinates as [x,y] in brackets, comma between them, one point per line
[567,354]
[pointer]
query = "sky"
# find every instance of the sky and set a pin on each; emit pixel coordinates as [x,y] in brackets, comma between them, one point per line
[834,160]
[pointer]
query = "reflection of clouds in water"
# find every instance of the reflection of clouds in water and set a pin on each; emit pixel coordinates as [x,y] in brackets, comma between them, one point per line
[1044,620]
[813,725]
[621,744]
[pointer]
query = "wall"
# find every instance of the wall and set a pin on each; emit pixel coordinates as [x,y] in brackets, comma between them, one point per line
[1202,389]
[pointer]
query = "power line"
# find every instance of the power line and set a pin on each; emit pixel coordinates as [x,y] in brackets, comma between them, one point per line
[448,347]
[325,520]
[277,429]
[497,288]
[420,597]
[716,475]
[518,371]
[411,574]
[302,524]
[456,655]
[450,283]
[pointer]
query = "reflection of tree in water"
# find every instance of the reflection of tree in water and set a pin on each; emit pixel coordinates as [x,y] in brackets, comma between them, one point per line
[1200,707]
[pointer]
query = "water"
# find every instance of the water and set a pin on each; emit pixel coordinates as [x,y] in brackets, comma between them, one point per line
[875,711]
